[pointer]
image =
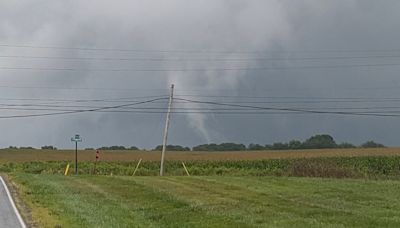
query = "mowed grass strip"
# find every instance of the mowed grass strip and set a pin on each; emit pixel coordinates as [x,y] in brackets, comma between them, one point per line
[109,202]
[104,201]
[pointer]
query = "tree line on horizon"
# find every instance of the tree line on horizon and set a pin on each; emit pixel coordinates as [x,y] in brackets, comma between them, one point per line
[322,141]
[315,142]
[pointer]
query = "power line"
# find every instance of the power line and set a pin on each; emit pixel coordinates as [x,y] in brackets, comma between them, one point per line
[288,97]
[78,88]
[57,108]
[192,90]
[120,99]
[197,59]
[199,69]
[370,113]
[195,51]
[186,107]
[80,111]
[306,102]
[256,98]
[297,99]
[57,103]
[271,110]
[117,49]
[289,109]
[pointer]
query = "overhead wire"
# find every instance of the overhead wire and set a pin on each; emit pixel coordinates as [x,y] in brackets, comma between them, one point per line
[99,89]
[68,108]
[86,103]
[240,106]
[78,88]
[81,100]
[369,113]
[236,99]
[186,59]
[271,110]
[199,69]
[195,51]
[82,110]
[284,97]
[288,109]
[169,59]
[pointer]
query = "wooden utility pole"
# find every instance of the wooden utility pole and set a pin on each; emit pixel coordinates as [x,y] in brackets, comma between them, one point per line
[164,146]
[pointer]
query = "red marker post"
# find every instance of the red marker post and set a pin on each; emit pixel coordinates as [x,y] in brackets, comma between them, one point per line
[95,162]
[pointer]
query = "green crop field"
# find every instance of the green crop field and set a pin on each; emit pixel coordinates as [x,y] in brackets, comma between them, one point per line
[383,167]
[29,155]
[212,201]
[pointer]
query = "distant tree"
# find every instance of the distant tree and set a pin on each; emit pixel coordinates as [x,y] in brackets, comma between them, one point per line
[116,148]
[255,147]
[319,142]
[211,147]
[295,145]
[49,148]
[372,144]
[158,148]
[206,147]
[27,148]
[220,147]
[172,148]
[268,147]
[280,146]
[13,147]
[345,145]
[112,148]
[89,148]
[231,147]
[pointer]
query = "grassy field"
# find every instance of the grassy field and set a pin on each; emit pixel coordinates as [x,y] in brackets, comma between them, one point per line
[227,189]
[104,201]
[12,155]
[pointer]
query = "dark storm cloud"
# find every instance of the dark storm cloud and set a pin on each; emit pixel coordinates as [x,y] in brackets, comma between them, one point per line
[227,26]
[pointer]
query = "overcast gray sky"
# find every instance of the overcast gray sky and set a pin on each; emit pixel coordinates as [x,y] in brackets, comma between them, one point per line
[212,50]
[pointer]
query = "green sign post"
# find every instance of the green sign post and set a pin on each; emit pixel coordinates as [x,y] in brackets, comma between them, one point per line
[77,138]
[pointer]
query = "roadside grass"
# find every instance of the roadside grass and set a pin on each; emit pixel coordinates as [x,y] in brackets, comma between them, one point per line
[209,201]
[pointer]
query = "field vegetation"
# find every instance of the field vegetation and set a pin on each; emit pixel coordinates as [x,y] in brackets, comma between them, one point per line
[337,167]
[29,155]
[302,188]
